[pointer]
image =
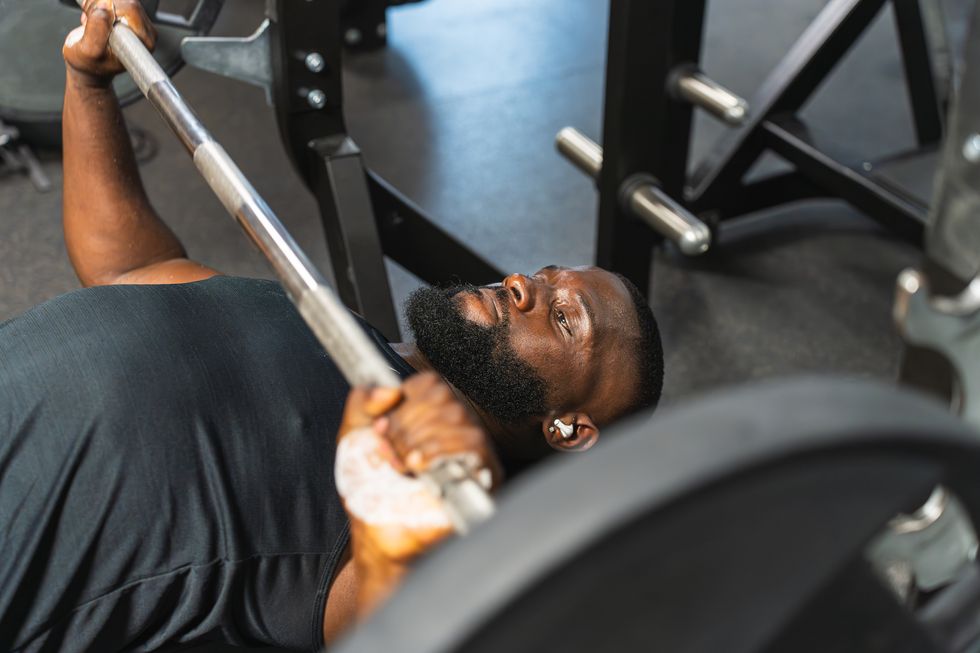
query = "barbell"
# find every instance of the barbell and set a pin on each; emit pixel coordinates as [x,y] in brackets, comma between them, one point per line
[466,501]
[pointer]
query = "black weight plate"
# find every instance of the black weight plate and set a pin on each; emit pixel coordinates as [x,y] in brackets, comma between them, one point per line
[709,528]
[32,71]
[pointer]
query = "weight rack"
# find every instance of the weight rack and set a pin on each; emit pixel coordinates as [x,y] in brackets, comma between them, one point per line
[654,50]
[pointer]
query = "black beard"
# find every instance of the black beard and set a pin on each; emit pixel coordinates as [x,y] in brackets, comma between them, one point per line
[478,360]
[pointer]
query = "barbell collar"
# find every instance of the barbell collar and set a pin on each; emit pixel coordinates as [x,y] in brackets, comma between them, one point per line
[333,325]
[693,86]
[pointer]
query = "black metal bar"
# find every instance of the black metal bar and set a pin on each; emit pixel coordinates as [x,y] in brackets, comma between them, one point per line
[954,615]
[898,214]
[851,611]
[767,193]
[646,131]
[299,29]
[365,24]
[786,89]
[410,238]
[919,71]
[350,197]
[954,231]
[355,248]
[954,227]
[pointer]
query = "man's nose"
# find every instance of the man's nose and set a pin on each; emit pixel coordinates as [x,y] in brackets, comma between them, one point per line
[522,289]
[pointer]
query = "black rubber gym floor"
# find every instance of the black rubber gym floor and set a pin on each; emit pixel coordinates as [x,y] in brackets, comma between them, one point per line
[460,113]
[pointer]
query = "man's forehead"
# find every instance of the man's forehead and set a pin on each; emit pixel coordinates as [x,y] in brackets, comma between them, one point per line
[588,274]
[577,268]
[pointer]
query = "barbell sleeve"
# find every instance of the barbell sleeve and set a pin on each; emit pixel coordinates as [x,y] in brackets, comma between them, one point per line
[639,196]
[357,358]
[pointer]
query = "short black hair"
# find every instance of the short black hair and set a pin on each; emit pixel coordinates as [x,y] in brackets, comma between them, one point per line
[649,352]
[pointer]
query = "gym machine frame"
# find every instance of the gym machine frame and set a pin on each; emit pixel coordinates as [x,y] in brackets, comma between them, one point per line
[749,597]
[364,218]
[653,83]
[365,23]
[938,306]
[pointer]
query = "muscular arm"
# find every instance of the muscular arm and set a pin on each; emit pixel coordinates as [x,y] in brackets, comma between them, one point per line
[112,233]
[340,611]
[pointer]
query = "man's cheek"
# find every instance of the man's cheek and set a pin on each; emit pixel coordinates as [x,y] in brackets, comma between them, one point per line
[538,350]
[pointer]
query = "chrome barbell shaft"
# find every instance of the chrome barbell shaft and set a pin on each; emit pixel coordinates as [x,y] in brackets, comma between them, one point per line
[333,325]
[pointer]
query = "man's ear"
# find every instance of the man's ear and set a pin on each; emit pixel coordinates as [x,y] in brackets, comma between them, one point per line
[570,432]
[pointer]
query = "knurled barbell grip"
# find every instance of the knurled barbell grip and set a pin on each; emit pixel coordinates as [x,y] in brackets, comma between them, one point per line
[466,501]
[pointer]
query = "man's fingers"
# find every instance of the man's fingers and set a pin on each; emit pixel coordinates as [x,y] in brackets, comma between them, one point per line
[421,458]
[423,402]
[420,384]
[88,51]
[433,439]
[134,17]
[382,400]
[365,405]
[355,415]
[449,418]
[95,39]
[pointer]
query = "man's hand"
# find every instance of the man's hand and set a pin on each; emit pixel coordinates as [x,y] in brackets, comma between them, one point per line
[86,50]
[112,233]
[386,439]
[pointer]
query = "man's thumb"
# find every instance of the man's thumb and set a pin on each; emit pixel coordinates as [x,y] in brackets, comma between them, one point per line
[98,27]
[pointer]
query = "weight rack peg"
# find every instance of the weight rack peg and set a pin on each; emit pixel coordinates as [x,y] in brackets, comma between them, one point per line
[689,84]
[584,153]
[640,196]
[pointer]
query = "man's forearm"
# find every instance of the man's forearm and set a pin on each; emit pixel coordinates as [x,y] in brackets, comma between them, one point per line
[110,227]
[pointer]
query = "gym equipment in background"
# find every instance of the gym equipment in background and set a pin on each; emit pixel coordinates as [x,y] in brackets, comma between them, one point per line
[296,56]
[738,523]
[803,517]
[18,157]
[653,83]
[33,91]
[936,311]
[364,23]
[452,479]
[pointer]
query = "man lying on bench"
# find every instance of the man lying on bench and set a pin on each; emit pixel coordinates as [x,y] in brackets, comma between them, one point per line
[168,435]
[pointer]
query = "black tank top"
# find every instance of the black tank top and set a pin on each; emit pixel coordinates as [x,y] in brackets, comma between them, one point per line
[166,470]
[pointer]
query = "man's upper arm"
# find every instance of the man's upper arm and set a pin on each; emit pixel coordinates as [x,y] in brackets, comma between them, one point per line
[177,270]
